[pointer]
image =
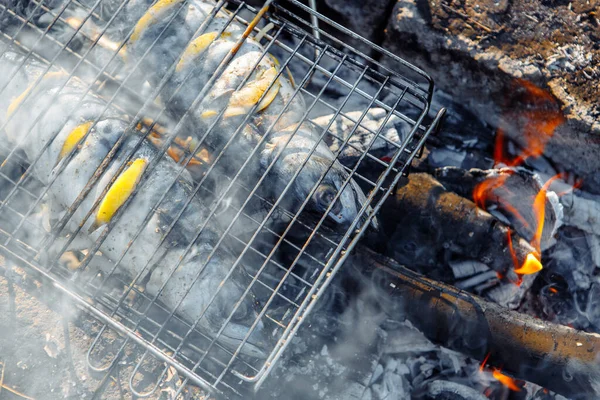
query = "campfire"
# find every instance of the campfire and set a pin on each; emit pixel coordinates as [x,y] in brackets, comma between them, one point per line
[249,200]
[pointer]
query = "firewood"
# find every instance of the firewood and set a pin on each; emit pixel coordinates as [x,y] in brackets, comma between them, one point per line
[512,201]
[427,224]
[556,357]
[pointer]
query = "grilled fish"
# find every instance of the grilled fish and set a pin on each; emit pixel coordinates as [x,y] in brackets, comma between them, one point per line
[66,136]
[183,44]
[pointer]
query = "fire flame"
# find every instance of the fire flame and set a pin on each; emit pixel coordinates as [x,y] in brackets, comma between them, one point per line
[539,208]
[541,117]
[484,362]
[530,266]
[499,376]
[505,380]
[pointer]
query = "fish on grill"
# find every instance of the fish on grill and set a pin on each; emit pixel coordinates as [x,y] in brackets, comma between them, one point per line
[183,44]
[66,136]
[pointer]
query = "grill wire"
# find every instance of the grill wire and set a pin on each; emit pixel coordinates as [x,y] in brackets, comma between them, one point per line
[295,261]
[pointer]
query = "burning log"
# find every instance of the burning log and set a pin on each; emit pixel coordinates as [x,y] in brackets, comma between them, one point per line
[509,194]
[435,224]
[556,357]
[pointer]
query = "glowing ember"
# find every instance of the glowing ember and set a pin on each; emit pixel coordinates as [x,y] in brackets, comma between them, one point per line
[530,266]
[506,380]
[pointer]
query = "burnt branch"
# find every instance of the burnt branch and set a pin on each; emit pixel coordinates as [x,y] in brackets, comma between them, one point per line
[424,220]
[556,357]
[513,200]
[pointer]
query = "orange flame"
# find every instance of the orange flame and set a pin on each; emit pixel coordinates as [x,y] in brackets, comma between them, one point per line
[484,190]
[530,266]
[542,116]
[539,208]
[498,375]
[484,362]
[506,380]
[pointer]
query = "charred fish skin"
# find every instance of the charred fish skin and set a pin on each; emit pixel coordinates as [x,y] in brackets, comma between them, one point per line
[204,44]
[65,115]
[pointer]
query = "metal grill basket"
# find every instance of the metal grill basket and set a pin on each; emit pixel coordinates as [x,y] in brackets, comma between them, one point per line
[292,262]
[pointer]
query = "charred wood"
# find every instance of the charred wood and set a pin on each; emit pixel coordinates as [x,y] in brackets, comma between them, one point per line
[512,201]
[428,225]
[452,391]
[557,357]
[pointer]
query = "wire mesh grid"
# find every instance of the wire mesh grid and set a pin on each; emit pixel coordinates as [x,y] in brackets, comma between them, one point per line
[288,255]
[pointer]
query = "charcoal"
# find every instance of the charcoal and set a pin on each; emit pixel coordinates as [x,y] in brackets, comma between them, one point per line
[558,305]
[451,360]
[367,395]
[427,225]
[477,279]
[592,308]
[572,259]
[377,374]
[594,245]
[543,394]
[391,387]
[407,339]
[582,211]
[463,269]
[510,295]
[445,390]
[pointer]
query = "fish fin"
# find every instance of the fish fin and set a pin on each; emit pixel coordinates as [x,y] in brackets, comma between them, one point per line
[291,77]
[57,167]
[374,221]
[268,27]
[46,218]
[224,205]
